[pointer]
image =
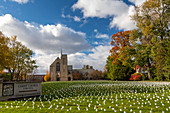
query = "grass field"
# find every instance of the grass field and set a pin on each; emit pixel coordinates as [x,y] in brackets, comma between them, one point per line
[95,96]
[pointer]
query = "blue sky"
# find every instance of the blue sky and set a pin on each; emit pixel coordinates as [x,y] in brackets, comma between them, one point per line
[81,28]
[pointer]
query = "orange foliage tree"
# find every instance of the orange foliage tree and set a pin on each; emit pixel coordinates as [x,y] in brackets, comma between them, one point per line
[47,76]
[1,72]
[120,40]
[119,63]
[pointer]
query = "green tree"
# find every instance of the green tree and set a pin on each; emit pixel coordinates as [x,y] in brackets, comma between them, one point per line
[5,54]
[15,57]
[152,35]
[118,71]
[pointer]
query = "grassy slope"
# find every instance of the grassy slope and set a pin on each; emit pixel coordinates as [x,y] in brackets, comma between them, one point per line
[101,96]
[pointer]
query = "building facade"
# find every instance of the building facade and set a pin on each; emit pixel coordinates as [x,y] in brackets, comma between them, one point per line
[60,71]
[85,72]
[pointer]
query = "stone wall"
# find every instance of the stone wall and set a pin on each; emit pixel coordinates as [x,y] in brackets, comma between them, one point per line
[10,90]
[0,89]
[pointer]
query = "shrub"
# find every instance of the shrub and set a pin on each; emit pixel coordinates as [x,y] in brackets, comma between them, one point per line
[137,76]
[6,76]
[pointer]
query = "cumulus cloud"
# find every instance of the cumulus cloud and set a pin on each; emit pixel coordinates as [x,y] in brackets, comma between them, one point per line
[48,38]
[124,21]
[97,58]
[100,8]
[137,2]
[117,9]
[21,1]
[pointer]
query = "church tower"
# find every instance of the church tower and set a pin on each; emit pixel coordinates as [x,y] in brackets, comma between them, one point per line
[59,70]
[63,70]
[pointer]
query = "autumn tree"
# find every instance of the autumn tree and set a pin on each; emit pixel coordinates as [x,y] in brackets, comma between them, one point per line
[118,67]
[47,76]
[15,57]
[2,72]
[119,42]
[152,20]
[5,54]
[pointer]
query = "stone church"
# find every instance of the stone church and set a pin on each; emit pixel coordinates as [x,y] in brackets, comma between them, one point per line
[60,71]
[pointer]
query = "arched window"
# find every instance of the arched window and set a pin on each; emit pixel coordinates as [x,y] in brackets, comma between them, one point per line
[58,66]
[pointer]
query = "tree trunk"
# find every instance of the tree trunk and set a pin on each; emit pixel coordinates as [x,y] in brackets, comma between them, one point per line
[149,72]
[17,76]
[11,74]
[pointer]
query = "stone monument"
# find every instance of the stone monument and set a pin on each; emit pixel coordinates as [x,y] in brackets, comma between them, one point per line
[11,90]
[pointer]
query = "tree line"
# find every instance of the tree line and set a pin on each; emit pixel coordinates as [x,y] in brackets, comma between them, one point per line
[147,46]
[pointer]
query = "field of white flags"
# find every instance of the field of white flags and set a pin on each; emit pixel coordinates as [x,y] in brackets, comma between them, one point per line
[96,96]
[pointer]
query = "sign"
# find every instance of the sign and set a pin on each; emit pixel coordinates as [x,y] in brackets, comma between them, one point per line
[8,89]
[27,88]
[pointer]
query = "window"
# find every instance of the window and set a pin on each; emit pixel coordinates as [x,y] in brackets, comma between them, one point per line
[69,72]
[58,66]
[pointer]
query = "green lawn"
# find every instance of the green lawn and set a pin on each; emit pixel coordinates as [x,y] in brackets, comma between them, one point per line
[92,96]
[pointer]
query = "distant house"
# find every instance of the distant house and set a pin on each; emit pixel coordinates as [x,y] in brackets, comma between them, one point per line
[84,72]
[35,78]
[140,69]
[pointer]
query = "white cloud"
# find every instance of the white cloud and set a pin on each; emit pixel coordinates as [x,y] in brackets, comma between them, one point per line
[96,43]
[117,9]
[137,2]
[100,8]
[97,58]
[99,35]
[124,21]
[21,1]
[46,41]
[95,30]
[48,38]
[77,19]
[62,15]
